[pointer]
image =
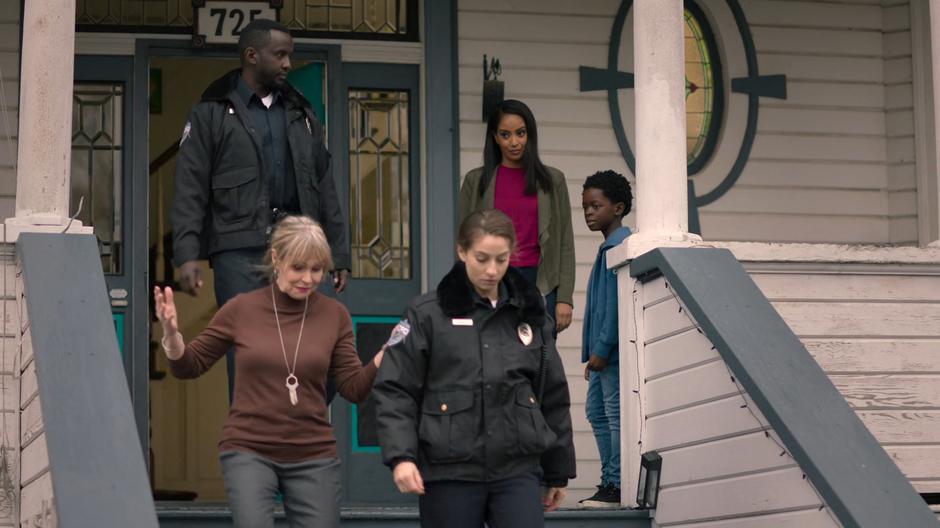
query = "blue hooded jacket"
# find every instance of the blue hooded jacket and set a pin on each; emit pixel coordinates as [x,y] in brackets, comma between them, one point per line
[599,335]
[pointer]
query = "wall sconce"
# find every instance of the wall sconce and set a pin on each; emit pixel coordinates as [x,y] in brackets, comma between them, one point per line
[492,87]
[647,492]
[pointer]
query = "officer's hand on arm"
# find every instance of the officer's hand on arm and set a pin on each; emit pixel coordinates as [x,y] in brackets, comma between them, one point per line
[191,277]
[596,364]
[552,498]
[340,278]
[562,316]
[408,478]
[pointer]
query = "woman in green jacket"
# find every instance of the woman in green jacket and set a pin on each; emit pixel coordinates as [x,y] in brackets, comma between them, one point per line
[514,180]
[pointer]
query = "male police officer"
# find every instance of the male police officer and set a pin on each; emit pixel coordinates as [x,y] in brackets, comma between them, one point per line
[252,152]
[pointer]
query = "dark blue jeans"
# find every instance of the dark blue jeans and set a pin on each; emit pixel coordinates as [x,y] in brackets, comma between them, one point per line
[236,271]
[603,411]
[514,502]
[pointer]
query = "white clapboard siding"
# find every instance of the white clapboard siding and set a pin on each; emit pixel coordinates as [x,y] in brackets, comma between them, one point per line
[10,379]
[899,113]
[722,460]
[9,89]
[35,461]
[540,45]
[819,169]
[877,336]
[37,505]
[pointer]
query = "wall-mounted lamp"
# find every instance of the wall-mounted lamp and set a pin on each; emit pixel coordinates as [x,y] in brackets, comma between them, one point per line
[647,493]
[492,86]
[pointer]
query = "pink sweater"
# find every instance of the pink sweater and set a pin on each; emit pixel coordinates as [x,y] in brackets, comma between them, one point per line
[510,198]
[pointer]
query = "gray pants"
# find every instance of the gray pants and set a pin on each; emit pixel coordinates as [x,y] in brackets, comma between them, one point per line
[311,490]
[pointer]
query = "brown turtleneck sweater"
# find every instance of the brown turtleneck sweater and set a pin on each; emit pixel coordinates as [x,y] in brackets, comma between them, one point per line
[262,419]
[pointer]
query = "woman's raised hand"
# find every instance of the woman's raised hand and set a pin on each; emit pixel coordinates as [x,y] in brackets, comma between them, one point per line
[172,341]
[166,310]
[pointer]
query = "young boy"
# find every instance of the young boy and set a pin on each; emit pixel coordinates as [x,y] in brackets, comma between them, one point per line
[606,200]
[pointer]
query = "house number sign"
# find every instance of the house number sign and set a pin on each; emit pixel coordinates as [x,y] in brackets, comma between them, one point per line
[222,21]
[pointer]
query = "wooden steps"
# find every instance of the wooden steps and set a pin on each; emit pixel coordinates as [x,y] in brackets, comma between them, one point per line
[190,515]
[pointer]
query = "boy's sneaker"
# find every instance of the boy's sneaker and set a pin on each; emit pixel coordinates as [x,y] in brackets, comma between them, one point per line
[607,496]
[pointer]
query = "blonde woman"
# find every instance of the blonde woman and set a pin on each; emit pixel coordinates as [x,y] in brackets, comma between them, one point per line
[286,338]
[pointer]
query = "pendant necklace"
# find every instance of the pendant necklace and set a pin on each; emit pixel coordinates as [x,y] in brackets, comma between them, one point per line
[291,381]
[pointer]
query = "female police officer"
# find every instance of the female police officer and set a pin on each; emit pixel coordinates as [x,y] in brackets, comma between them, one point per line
[473,405]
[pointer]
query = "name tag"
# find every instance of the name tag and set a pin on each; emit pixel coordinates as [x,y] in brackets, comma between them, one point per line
[461,322]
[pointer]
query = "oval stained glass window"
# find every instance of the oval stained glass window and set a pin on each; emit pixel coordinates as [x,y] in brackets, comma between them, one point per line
[703,91]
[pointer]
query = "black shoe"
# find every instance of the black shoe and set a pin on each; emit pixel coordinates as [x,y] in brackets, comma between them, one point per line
[607,496]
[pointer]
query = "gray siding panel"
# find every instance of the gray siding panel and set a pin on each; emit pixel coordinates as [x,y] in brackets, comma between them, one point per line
[833,447]
[96,465]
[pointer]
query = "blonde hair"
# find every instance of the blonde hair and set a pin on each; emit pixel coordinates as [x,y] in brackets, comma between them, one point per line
[297,239]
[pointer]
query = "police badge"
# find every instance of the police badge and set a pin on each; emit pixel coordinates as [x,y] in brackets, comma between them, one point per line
[525,333]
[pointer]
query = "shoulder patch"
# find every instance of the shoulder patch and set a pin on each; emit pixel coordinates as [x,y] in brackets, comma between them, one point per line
[399,333]
[186,130]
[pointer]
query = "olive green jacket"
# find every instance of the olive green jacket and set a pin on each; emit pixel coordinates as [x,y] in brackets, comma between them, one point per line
[556,238]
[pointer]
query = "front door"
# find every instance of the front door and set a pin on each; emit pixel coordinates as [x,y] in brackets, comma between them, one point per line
[187,416]
[380,163]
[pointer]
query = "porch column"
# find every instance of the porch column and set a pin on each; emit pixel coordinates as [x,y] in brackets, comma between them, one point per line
[45,126]
[929,201]
[659,87]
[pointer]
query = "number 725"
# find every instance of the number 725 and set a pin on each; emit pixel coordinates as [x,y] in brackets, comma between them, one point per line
[237,14]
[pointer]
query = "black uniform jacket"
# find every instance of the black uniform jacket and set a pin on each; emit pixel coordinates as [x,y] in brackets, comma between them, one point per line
[458,395]
[221,200]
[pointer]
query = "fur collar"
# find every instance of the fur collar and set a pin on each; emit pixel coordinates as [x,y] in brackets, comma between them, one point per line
[456,296]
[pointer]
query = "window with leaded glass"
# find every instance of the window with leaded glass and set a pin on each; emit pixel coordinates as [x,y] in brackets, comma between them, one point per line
[97,154]
[379,190]
[703,94]
[366,19]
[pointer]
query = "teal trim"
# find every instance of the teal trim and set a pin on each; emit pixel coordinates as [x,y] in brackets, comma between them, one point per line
[354,415]
[356,448]
[309,80]
[119,329]
[356,319]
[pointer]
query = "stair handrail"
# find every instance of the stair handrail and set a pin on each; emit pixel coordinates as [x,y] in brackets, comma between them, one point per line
[168,154]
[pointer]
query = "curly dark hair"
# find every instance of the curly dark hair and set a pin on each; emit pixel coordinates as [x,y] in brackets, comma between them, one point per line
[615,187]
